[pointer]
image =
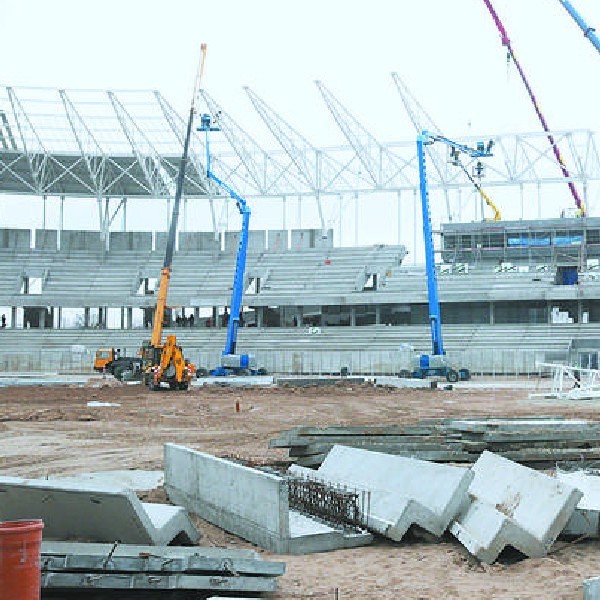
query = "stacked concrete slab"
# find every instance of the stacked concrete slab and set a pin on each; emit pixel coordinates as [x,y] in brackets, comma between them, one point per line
[93,512]
[248,502]
[403,491]
[535,441]
[77,566]
[512,505]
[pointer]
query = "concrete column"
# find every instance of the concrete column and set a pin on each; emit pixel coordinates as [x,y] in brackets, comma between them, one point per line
[86,316]
[549,310]
[492,313]
[122,317]
[260,315]
[42,318]
[129,322]
[13,316]
[579,311]
[377,314]
[196,316]
[59,317]
[352,316]
[300,312]
[215,317]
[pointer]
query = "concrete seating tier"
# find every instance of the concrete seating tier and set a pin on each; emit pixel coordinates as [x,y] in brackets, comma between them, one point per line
[80,278]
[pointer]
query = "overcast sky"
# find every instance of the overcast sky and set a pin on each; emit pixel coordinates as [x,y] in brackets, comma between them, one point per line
[448,51]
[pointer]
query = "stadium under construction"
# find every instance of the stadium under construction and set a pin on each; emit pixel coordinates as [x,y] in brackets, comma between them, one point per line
[513,293]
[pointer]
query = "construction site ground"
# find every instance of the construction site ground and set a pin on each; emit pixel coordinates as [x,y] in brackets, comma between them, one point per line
[51,430]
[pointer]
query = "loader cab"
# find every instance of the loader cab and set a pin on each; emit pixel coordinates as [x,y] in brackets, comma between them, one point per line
[104,356]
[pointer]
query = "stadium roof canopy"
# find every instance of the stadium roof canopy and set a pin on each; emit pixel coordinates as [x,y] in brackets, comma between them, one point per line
[94,143]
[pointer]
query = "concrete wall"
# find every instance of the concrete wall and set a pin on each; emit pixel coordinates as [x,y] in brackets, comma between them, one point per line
[131,240]
[278,240]
[198,240]
[46,239]
[243,501]
[256,241]
[18,239]
[160,241]
[80,240]
[303,239]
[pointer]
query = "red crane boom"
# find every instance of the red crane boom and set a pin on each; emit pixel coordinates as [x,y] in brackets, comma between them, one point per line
[506,42]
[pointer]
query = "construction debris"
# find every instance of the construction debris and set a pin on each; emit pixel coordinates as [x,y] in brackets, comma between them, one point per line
[76,566]
[251,503]
[95,512]
[402,491]
[585,521]
[512,505]
[535,441]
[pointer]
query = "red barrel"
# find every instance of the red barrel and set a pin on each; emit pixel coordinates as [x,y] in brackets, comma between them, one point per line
[20,546]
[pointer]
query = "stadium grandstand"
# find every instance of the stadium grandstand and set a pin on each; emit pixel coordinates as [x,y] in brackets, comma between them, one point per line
[513,292]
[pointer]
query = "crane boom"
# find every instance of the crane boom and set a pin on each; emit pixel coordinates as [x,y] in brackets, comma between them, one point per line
[588,32]
[165,274]
[511,54]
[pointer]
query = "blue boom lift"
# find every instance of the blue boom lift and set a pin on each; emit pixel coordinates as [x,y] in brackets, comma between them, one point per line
[231,362]
[436,363]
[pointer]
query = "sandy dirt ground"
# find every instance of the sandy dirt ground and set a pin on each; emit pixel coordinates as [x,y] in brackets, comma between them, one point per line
[51,430]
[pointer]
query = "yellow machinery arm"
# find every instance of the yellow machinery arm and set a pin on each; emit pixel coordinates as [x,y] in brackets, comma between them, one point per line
[497,216]
[161,304]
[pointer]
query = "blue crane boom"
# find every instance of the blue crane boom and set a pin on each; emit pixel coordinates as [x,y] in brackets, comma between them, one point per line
[588,32]
[232,363]
[435,364]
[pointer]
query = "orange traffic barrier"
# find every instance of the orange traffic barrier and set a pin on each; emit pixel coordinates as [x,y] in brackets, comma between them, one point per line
[20,546]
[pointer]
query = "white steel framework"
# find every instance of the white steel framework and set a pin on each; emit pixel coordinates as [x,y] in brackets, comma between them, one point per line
[127,144]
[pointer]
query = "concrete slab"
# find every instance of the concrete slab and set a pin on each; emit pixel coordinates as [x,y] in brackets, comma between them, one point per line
[319,380]
[135,479]
[247,502]
[512,505]
[591,589]
[235,381]
[93,512]
[152,581]
[403,491]
[586,518]
[400,382]
[62,556]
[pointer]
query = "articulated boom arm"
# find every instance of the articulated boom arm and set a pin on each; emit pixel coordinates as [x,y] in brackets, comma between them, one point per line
[511,55]
[237,292]
[426,138]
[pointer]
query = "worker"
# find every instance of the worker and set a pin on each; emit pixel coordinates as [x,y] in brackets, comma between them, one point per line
[3,321]
[191,320]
